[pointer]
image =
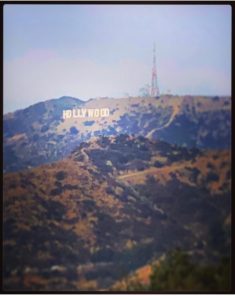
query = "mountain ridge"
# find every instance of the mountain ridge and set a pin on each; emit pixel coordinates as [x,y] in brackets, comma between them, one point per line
[39,134]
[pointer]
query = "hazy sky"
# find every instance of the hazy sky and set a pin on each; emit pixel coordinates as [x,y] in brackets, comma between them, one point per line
[89,51]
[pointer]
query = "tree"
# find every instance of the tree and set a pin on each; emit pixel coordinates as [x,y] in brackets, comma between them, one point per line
[178,273]
[144,91]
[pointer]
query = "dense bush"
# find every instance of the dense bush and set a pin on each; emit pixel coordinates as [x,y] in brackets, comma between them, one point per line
[73,130]
[44,128]
[56,191]
[212,177]
[158,164]
[88,123]
[60,175]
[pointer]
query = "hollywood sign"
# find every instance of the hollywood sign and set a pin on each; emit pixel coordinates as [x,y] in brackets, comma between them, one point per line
[86,113]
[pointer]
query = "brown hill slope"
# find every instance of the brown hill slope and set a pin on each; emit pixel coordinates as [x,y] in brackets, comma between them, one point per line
[80,224]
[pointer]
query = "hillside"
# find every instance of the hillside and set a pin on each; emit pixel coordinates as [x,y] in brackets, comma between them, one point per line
[109,208]
[39,134]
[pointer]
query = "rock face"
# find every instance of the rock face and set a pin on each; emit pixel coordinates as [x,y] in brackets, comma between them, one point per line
[39,134]
[115,203]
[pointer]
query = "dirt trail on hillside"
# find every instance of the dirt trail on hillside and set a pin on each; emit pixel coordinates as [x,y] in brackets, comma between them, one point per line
[163,172]
[154,170]
[86,157]
[176,109]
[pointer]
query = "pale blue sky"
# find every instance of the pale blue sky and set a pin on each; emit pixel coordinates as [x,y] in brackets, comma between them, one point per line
[89,51]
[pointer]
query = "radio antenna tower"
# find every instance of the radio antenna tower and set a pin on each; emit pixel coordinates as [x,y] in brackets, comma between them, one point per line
[154,85]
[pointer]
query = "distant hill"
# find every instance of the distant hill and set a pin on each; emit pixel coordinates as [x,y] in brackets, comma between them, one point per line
[111,207]
[38,134]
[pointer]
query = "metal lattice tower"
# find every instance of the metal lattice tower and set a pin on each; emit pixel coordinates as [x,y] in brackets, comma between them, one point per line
[154,85]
